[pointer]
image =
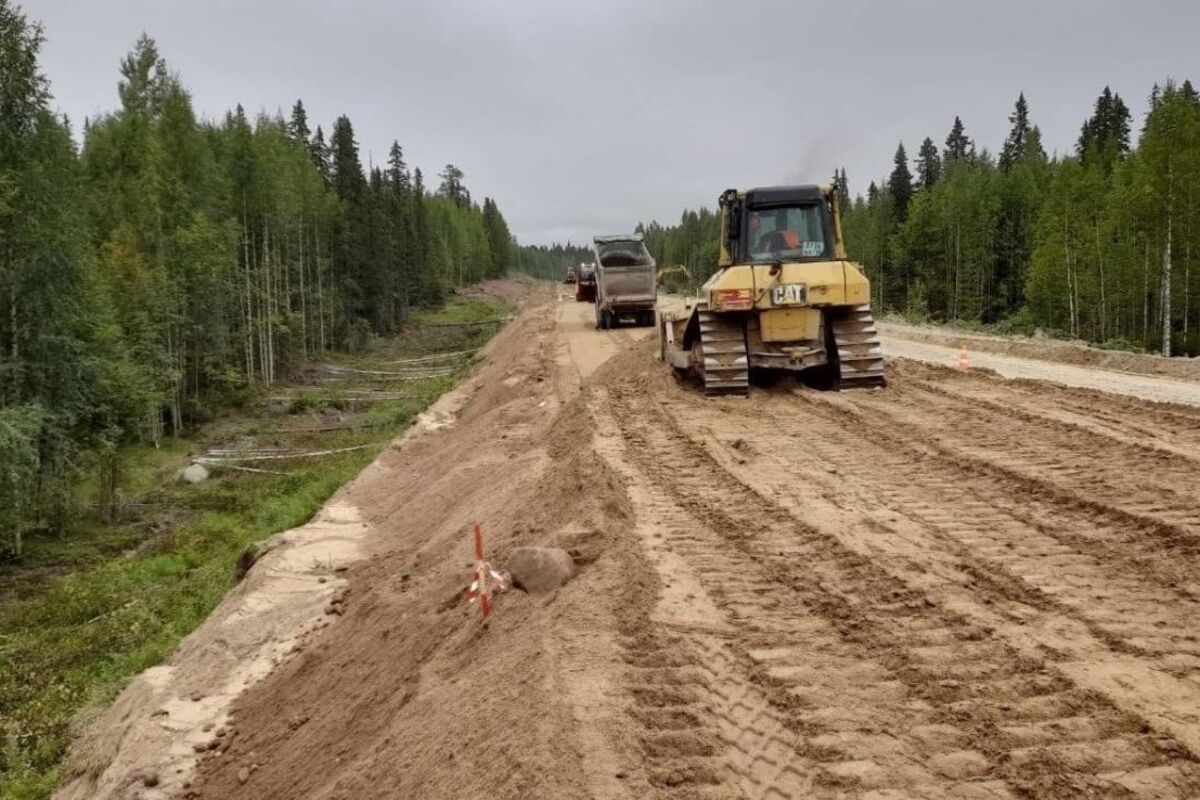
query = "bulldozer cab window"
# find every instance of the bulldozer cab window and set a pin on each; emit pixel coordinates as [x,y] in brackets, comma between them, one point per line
[786,233]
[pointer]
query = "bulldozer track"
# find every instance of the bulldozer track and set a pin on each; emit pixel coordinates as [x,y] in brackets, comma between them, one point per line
[1129,590]
[723,354]
[881,685]
[881,677]
[859,353]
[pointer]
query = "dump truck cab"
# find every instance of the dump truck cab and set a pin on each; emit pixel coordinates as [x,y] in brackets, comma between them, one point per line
[784,296]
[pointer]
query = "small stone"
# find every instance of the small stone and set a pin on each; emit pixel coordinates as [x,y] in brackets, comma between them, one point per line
[322,579]
[675,778]
[150,777]
[243,775]
[197,697]
[220,733]
[208,726]
[334,608]
[186,785]
[622,775]
[200,747]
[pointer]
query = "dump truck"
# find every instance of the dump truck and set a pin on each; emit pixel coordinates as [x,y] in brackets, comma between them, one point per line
[626,283]
[784,298]
[585,283]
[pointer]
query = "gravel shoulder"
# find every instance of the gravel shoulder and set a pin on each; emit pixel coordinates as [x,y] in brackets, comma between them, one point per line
[1044,349]
[1146,386]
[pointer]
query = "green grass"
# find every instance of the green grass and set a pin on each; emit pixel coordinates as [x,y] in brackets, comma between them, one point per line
[82,614]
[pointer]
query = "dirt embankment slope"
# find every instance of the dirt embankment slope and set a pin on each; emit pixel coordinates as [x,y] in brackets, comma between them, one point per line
[408,694]
[956,587]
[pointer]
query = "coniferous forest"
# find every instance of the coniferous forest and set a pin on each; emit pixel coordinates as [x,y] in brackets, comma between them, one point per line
[156,266]
[1100,244]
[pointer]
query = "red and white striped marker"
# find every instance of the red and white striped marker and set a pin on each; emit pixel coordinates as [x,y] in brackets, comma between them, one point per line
[484,574]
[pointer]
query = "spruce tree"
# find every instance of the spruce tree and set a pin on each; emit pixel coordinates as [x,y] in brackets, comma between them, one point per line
[452,186]
[499,238]
[345,167]
[1014,145]
[929,164]
[318,153]
[900,184]
[403,231]
[958,146]
[842,188]
[298,125]
[1104,137]
[397,169]
[427,279]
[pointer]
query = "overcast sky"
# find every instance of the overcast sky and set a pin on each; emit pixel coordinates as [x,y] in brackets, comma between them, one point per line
[585,117]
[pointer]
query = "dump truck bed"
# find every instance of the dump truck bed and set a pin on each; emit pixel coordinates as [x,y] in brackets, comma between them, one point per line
[625,275]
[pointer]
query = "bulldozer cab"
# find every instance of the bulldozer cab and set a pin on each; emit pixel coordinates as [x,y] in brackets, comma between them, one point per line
[790,224]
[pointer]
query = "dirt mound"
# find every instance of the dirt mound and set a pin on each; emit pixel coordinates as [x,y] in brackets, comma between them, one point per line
[410,694]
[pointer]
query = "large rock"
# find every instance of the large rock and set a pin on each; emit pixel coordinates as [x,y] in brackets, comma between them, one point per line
[540,569]
[194,473]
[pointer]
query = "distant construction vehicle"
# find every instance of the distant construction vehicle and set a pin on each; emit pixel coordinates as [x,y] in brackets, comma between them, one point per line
[676,269]
[570,278]
[585,283]
[785,297]
[626,288]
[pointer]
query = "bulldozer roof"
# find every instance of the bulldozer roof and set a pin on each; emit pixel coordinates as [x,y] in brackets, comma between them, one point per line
[783,195]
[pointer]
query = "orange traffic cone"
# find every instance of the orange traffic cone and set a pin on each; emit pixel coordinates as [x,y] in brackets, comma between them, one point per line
[963,366]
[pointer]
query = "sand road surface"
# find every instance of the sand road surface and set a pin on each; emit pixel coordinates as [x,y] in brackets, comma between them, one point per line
[960,586]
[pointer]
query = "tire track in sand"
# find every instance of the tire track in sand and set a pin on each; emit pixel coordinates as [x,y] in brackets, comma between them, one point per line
[688,680]
[1049,578]
[887,690]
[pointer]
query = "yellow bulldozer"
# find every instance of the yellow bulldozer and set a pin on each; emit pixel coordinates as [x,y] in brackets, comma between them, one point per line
[784,298]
